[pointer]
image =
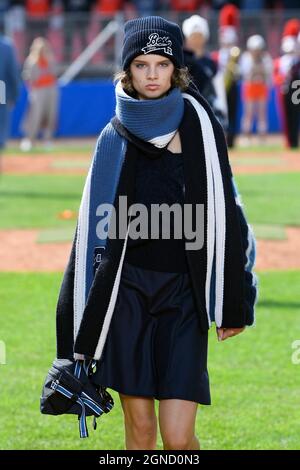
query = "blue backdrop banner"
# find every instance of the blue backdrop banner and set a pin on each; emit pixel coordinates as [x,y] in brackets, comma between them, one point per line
[86,106]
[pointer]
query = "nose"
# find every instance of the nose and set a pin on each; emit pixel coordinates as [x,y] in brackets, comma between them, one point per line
[152,72]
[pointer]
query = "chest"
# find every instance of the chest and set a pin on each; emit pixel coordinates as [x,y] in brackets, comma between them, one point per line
[175,144]
[161,179]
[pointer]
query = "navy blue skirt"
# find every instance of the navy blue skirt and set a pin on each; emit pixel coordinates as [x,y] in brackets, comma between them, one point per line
[154,346]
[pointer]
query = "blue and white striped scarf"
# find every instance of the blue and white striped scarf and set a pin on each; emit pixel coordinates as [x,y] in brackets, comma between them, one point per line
[155,121]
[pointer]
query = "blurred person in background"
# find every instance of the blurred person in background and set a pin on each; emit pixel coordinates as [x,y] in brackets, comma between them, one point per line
[146,7]
[9,86]
[39,72]
[16,17]
[283,79]
[201,67]
[75,22]
[256,69]
[37,12]
[219,4]
[4,7]
[103,12]
[291,91]
[227,59]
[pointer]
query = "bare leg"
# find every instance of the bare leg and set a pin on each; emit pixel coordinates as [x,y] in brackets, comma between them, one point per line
[177,424]
[247,121]
[262,119]
[140,422]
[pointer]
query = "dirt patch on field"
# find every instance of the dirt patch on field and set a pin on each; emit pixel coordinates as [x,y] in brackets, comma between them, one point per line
[243,161]
[19,251]
[44,164]
[251,163]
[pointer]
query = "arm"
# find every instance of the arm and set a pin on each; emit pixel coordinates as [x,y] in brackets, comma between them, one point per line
[251,289]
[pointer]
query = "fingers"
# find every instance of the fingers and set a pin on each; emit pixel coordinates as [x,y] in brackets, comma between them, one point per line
[224,333]
[228,333]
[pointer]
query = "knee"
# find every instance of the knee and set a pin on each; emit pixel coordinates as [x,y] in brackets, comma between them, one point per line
[142,428]
[177,441]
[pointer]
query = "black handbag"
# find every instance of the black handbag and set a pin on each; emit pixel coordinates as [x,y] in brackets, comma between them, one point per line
[69,388]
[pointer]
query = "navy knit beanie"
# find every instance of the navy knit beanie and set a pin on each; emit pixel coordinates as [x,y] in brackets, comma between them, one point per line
[152,35]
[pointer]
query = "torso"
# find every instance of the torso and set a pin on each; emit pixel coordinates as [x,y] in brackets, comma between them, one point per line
[159,181]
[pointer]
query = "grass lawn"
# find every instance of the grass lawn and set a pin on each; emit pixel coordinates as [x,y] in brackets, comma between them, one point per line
[254,385]
[35,201]
[271,198]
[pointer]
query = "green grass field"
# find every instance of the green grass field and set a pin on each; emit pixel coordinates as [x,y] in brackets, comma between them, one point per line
[255,386]
[35,201]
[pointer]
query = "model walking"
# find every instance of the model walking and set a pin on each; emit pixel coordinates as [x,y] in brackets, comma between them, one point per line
[142,306]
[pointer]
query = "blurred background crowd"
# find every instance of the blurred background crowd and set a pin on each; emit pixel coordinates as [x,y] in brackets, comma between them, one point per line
[236,52]
[26,19]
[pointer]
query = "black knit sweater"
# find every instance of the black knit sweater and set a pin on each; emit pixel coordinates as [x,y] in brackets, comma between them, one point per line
[158,181]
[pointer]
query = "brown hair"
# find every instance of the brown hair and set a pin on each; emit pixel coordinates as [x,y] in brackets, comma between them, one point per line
[181,78]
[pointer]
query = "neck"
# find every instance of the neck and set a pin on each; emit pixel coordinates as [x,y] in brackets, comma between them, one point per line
[199,52]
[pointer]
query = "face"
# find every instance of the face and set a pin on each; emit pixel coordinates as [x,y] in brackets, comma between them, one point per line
[151,75]
[195,41]
[256,53]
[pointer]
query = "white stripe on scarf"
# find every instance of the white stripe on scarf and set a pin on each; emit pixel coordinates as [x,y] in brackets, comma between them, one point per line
[216,217]
[162,140]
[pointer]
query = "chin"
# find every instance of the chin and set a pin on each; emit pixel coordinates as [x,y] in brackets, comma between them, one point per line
[153,94]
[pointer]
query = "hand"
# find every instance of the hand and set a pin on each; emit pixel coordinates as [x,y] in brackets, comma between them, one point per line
[224,333]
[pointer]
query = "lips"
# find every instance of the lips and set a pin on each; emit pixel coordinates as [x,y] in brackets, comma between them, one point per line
[152,87]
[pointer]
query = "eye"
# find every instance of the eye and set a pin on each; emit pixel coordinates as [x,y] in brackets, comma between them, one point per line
[165,64]
[139,65]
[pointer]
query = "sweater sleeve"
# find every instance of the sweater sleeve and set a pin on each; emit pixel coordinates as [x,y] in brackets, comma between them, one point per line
[249,249]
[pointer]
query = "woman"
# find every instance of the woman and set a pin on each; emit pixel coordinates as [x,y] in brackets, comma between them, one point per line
[142,306]
[256,70]
[40,74]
